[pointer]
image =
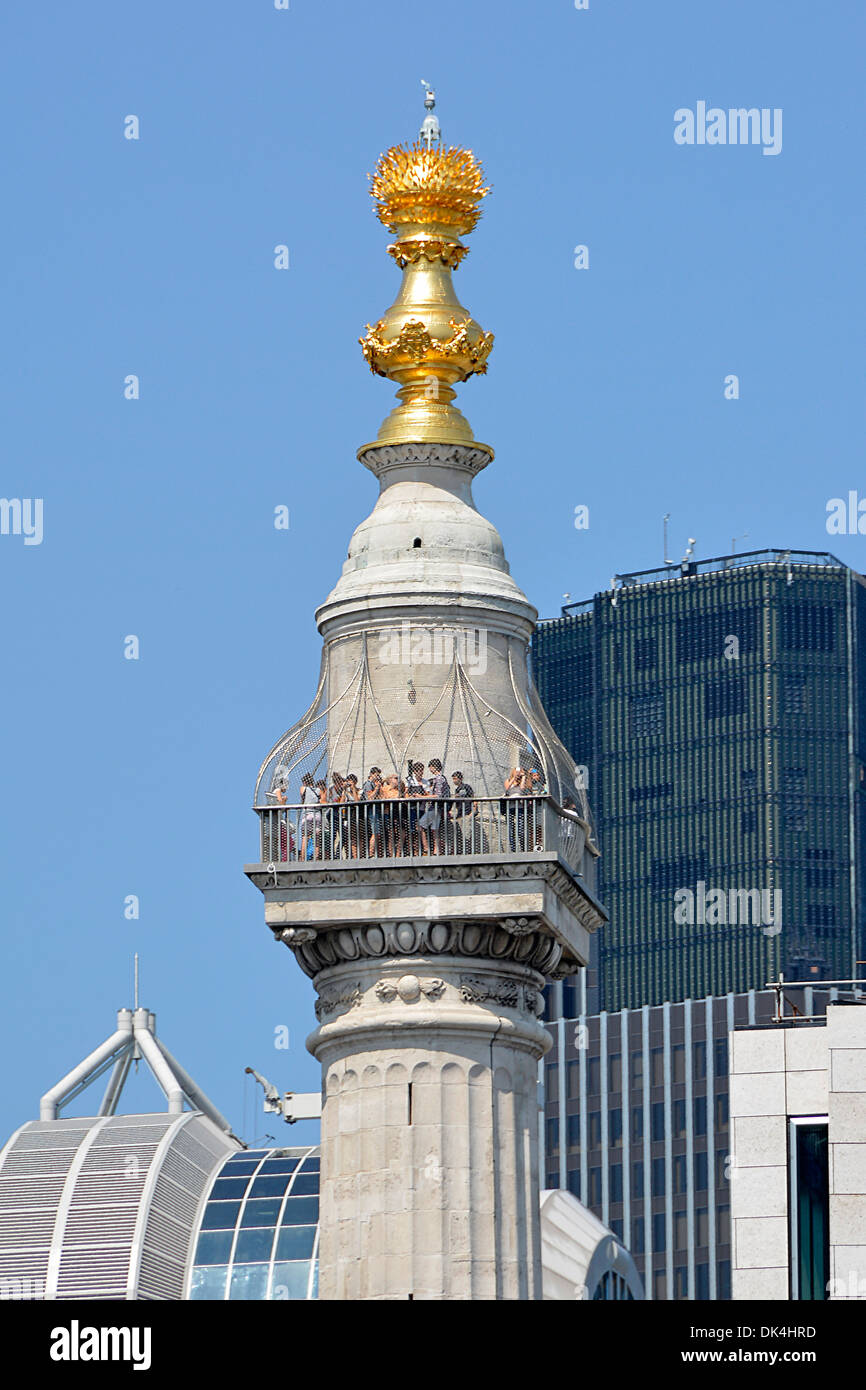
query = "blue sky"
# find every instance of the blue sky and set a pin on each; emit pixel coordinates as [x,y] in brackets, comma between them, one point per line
[605,388]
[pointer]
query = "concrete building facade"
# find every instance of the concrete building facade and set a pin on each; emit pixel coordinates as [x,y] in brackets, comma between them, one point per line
[637,1124]
[798,1189]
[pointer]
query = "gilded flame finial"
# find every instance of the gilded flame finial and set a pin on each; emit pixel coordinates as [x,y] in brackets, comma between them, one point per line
[428,197]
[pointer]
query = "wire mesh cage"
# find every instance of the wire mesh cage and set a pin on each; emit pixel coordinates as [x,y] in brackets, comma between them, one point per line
[402,697]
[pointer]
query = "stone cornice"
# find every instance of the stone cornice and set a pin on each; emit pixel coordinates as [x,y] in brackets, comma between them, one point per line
[381,458]
[574,894]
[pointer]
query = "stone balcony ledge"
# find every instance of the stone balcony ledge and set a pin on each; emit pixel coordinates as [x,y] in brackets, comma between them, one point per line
[520,896]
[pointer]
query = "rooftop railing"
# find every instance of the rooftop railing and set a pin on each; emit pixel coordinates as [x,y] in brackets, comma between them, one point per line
[684,569]
[411,829]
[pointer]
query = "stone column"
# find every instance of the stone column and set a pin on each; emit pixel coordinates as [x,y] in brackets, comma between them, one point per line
[430,1119]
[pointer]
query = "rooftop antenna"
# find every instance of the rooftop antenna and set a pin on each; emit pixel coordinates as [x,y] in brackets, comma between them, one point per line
[734,539]
[689,548]
[136,1050]
[665,519]
[429,133]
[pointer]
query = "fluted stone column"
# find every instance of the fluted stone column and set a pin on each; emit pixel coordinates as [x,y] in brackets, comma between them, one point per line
[429,960]
[429,1182]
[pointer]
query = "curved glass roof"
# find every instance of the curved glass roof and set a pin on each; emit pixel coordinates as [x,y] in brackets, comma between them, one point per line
[258,1235]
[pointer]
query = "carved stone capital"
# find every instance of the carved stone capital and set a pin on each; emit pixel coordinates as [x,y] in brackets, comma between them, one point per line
[331,1000]
[380,459]
[296,936]
[409,988]
[526,943]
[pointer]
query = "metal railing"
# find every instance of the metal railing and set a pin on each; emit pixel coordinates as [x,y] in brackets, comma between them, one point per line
[413,828]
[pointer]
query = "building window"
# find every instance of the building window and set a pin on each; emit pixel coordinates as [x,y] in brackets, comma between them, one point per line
[637,1179]
[678,1063]
[681,1231]
[615,1128]
[594,1140]
[658,1066]
[551,1083]
[637,1122]
[701,635]
[794,804]
[670,874]
[616,1182]
[647,716]
[593,1071]
[644,653]
[659,1232]
[637,1237]
[681,1283]
[679,1173]
[700,1114]
[553,1135]
[721,1110]
[655,791]
[701,1183]
[573,1078]
[658,1114]
[724,697]
[636,1070]
[720,1057]
[572,1124]
[810,1208]
[570,1007]
[808,627]
[724,1280]
[660,1287]
[658,1177]
[702,1280]
[678,1118]
[793,694]
[702,1226]
[595,1187]
[699,1061]
[614,1075]
[723,1225]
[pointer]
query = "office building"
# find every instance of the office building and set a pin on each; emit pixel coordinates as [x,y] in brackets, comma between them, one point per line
[718,711]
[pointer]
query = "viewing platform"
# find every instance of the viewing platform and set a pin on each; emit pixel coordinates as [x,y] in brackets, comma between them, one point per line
[413,829]
[406,876]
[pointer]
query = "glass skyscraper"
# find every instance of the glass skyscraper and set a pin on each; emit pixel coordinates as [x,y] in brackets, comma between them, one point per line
[718,709]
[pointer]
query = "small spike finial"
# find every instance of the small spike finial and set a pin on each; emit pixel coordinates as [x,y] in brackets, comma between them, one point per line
[430,132]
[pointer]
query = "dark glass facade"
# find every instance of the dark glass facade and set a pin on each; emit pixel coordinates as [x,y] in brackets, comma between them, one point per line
[721,716]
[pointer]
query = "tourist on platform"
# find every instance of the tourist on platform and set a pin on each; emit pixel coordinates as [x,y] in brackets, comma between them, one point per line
[416,791]
[516,788]
[351,796]
[430,821]
[371,792]
[462,813]
[395,823]
[311,819]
